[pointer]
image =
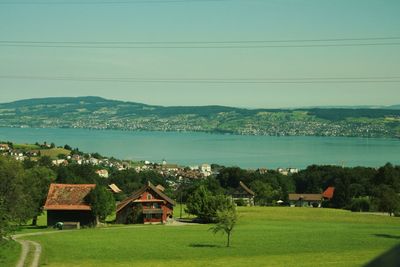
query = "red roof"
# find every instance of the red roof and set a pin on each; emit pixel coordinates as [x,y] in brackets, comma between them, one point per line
[68,197]
[328,193]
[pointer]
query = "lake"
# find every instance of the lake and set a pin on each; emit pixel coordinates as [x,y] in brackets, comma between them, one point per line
[229,150]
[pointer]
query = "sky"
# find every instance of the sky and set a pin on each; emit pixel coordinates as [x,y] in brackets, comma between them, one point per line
[179,52]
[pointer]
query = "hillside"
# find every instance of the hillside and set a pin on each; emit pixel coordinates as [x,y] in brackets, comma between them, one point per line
[99,113]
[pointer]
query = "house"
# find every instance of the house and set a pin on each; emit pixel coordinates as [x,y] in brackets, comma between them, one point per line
[4,147]
[328,193]
[243,193]
[205,169]
[305,200]
[102,173]
[146,205]
[66,203]
[58,162]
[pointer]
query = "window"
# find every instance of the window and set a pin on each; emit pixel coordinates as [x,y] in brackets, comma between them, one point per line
[156,206]
[149,196]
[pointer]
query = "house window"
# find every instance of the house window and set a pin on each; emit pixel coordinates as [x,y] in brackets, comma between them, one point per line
[156,206]
[148,216]
[149,196]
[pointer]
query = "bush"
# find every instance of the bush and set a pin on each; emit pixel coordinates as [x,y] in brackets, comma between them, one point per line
[360,204]
[240,202]
[315,205]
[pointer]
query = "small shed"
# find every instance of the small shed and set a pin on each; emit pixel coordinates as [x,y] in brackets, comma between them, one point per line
[66,203]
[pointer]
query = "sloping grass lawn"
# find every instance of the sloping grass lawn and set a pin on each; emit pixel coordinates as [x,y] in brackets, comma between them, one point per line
[263,237]
[54,152]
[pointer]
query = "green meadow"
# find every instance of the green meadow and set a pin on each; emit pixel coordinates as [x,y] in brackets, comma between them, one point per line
[265,236]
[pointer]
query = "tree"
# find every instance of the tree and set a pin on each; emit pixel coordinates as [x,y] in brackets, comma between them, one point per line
[264,192]
[226,221]
[206,206]
[101,201]
[5,227]
[67,147]
[15,197]
[387,199]
[37,180]
[45,161]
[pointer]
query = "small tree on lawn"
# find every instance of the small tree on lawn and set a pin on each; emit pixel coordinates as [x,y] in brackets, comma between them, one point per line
[226,221]
[101,201]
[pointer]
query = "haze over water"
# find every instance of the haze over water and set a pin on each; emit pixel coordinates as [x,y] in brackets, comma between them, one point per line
[229,150]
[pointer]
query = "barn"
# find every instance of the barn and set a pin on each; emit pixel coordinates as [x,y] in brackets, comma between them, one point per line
[66,203]
[147,205]
[243,193]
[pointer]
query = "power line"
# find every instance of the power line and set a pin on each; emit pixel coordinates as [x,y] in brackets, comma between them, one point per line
[201,47]
[391,79]
[202,42]
[118,2]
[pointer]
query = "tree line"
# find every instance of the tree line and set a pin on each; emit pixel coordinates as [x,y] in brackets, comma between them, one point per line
[24,186]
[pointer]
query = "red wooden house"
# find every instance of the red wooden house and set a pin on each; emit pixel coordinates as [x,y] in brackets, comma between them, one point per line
[147,205]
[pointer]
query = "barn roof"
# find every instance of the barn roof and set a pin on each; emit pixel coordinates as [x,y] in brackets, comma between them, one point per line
[135,195]
[114,188]
[68,197]
[305,197]
[328,193]
[245,188]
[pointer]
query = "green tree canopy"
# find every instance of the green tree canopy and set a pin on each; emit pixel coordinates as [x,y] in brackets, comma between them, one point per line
[101,201]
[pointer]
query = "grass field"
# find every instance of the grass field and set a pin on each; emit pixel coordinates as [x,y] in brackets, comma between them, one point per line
[9,253]
[54,152]
[263,237]
[26,146]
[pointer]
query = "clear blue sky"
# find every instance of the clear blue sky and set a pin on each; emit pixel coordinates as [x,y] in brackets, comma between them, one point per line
[199,21]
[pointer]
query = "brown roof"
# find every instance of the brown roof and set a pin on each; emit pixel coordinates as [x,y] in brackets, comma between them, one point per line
[135,195]
[305,197]
[68,197]
[245,188]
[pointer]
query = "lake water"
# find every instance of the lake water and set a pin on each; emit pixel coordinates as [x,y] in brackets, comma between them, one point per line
[229,150]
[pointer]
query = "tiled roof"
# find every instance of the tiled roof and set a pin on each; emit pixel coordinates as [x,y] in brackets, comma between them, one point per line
[68,197]
[328,193]
[305,197]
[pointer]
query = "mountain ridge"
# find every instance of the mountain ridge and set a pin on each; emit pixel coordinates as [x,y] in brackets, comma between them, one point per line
[99,113]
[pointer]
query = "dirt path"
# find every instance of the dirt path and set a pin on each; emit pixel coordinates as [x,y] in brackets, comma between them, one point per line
[24,252]
[26,248]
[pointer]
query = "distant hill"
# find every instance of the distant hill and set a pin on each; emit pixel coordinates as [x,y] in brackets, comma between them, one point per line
[394,107]
[99,113]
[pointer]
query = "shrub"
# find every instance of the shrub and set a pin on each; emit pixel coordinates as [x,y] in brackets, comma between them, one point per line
[240,202]
[360,204]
